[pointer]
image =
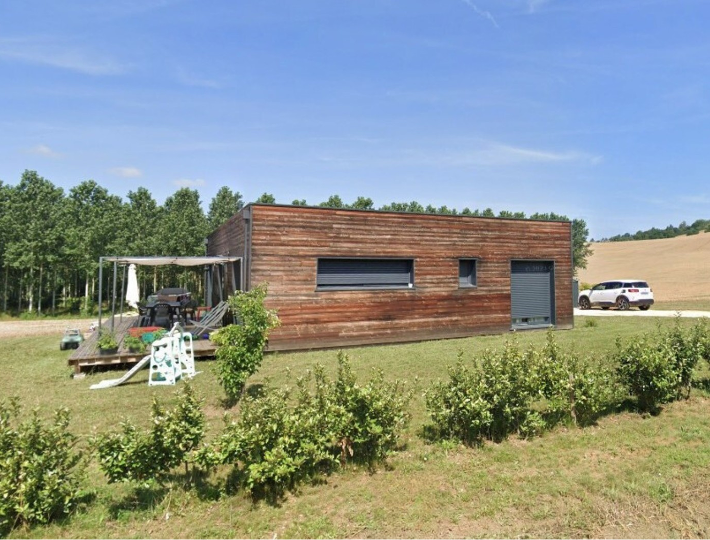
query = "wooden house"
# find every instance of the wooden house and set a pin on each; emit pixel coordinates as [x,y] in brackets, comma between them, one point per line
[342,277]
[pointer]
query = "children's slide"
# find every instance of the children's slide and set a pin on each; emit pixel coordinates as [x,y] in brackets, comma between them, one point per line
[109,383]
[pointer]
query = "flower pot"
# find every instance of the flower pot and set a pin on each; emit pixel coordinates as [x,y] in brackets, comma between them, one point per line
[107,352]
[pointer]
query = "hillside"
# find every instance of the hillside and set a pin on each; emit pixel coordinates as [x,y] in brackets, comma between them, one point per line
[676,268]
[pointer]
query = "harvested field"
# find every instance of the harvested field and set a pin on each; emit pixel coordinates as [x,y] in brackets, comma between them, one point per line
[676,268]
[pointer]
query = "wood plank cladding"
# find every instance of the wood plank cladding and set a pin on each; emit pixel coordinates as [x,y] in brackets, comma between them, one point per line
[285,242]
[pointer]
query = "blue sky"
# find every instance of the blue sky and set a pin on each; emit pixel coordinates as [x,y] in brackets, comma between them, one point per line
[594,109]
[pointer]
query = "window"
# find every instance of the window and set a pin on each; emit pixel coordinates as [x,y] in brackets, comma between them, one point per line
[365,274]
[467,273]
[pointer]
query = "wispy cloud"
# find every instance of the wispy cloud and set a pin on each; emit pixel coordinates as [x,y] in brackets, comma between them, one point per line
[43,150]
[190,79]
[126,172]
[189,183]
[481,12]
[503,154]
[534,5]
[701,198]
[59,55]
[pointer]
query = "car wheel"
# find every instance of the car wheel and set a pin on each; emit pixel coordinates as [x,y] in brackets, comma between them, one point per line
[644,308]
[61,346]
[584,303]
[622,303]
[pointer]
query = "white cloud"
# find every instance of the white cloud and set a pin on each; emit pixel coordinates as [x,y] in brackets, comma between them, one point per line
[482,13]
[44,150]
[126,172]
[533,5]
[503,154]
[189,183]
[44,52]
[701,198]
[190,79]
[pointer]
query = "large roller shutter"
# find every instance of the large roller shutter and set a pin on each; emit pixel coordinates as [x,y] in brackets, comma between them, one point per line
[532,294]
[364,273]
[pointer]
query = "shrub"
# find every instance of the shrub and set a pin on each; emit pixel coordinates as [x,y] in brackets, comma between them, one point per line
[240,348]
[687,348]
[490,400]
[134,456]
[273,445]
[647,370]
[574,389]
[511,391]
[39,468]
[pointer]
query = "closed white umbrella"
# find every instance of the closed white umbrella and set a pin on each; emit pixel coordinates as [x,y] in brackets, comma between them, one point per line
[132,293]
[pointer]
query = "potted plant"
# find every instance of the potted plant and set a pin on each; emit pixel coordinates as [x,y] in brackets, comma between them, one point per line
[134,344]
[107,342]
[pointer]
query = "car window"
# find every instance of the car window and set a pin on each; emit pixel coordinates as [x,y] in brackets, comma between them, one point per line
[640,284]
[599,287]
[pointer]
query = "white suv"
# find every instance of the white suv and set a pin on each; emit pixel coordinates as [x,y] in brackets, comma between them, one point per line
[622,294]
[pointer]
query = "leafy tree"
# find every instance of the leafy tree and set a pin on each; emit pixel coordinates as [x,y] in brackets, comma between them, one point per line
[223,206]
[266,198]
[142,223]
[299,202]
[94,219]
[363,203]
[334,201]
[581,249]
[184,225]
[488,212]
[35,234]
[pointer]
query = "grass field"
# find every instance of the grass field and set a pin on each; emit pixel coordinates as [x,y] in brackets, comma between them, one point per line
[627,476]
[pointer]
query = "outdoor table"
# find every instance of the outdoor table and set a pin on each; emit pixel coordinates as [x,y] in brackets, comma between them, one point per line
[175,310]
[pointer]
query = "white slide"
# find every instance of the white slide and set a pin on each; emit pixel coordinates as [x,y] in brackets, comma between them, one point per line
[109,383]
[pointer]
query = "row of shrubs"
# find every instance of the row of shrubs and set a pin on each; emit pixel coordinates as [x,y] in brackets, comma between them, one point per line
[527,392]
[272,444]
[283,436]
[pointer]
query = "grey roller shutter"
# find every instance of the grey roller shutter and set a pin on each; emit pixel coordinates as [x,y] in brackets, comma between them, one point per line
[531,287]
[385,273]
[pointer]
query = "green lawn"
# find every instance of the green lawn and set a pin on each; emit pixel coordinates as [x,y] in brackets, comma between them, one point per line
[628,476]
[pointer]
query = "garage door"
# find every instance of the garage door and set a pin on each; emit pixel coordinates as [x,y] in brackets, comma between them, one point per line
[532,289]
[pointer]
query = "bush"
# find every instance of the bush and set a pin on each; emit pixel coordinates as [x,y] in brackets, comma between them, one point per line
[39,468]
[134,456]
[240,348]
[514,392]
[575,390]
[647,370]
[687,347]
[274,445]
[489,400]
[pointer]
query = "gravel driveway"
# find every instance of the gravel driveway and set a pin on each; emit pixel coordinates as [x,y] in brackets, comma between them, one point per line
[42,327]
[638,313]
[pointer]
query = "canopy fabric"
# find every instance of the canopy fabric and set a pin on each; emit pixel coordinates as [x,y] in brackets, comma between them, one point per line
[132,293]
[179,261]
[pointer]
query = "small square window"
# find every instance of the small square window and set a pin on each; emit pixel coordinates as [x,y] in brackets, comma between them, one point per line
[467,273]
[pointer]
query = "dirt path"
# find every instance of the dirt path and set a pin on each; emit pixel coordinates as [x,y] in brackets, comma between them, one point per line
[638,313]
[42,327]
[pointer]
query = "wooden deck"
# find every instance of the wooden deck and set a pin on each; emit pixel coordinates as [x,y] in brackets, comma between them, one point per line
[88,356]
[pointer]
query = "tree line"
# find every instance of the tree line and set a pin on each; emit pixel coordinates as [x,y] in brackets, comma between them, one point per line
[698,226]
[51,240]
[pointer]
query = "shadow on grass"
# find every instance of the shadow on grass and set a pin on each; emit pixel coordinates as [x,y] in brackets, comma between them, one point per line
[253,391]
